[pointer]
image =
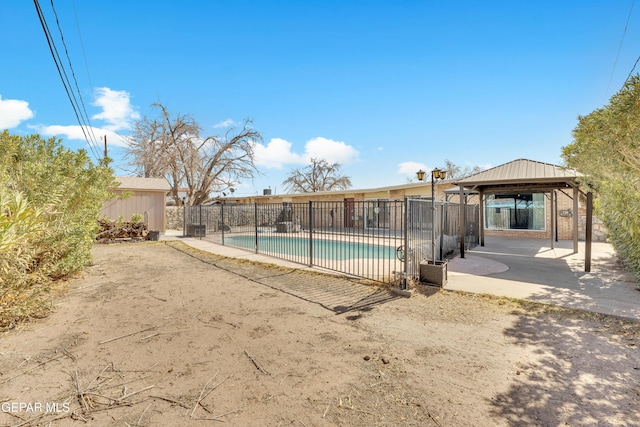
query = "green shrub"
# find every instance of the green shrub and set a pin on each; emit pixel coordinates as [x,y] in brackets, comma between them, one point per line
[620,204]
[606,149]
[21,281]
[137,218]
[50,199]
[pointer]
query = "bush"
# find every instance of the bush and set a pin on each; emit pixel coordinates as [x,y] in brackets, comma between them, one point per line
[621,203]
[50,199]
[606,149]
[20,281]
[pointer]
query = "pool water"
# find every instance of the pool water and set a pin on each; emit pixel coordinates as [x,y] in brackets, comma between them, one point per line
[322,249]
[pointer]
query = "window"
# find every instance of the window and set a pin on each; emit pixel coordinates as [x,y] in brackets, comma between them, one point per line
[521,211]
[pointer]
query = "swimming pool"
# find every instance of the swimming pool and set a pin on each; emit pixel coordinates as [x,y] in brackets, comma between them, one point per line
[335,250]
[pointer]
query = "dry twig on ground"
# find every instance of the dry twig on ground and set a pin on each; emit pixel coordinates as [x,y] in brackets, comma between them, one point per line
[256,363]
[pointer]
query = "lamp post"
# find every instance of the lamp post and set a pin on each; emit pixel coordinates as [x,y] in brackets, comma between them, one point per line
[436,174]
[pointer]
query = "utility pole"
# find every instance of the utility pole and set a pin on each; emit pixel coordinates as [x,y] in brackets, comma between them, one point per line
[105,146]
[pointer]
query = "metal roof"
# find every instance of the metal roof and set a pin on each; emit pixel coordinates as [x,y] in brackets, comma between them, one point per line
[142,184]
[521,172]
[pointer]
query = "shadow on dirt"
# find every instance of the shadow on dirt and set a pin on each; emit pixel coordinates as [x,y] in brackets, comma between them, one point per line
[334,293]
[579,378]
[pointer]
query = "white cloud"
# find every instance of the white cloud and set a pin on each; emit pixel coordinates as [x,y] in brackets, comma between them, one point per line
[117,110]
[13,112]
[75,132]
[410,168]
[225,124]
[276,153]
[330,150]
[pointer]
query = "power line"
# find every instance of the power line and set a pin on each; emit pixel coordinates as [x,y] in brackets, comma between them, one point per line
[620,47]
[634,67]
[73,74]
[84,56]
[61,71]
[64,77]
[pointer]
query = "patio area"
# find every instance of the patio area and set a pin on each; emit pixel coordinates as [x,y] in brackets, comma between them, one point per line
[529,269]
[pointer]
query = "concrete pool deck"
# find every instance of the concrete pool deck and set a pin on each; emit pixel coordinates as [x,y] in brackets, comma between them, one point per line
[517,268]
[529,269]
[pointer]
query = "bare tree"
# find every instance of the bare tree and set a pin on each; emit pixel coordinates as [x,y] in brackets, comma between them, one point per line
[172,148]
[453,171]
[317,176]
[456,172]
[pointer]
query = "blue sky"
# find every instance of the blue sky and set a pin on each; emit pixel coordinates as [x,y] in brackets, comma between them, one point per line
[384,88]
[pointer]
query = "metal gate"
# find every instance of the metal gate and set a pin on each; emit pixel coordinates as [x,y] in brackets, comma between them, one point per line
[433,232]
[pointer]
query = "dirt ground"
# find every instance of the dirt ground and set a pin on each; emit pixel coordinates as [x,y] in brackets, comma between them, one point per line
[158,334]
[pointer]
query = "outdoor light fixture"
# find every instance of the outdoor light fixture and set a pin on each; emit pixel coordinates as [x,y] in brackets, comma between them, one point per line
[436,174]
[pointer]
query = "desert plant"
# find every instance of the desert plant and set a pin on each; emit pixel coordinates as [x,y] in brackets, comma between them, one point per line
[606,149]
[21,281]
[50,199]
[137,218]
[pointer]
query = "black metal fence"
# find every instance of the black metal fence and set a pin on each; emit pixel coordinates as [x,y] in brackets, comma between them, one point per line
[377,240]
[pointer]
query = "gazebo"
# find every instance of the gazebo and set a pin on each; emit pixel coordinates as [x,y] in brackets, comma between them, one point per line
[528,176]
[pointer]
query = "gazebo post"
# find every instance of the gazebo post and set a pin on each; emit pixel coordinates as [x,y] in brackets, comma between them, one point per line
[553,217]
[481,217]
[463,223]
[575,219]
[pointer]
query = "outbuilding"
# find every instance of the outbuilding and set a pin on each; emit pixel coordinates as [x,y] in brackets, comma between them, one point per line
[147,198]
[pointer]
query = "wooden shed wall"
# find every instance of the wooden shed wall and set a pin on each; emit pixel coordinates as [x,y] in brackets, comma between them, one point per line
[149,204]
